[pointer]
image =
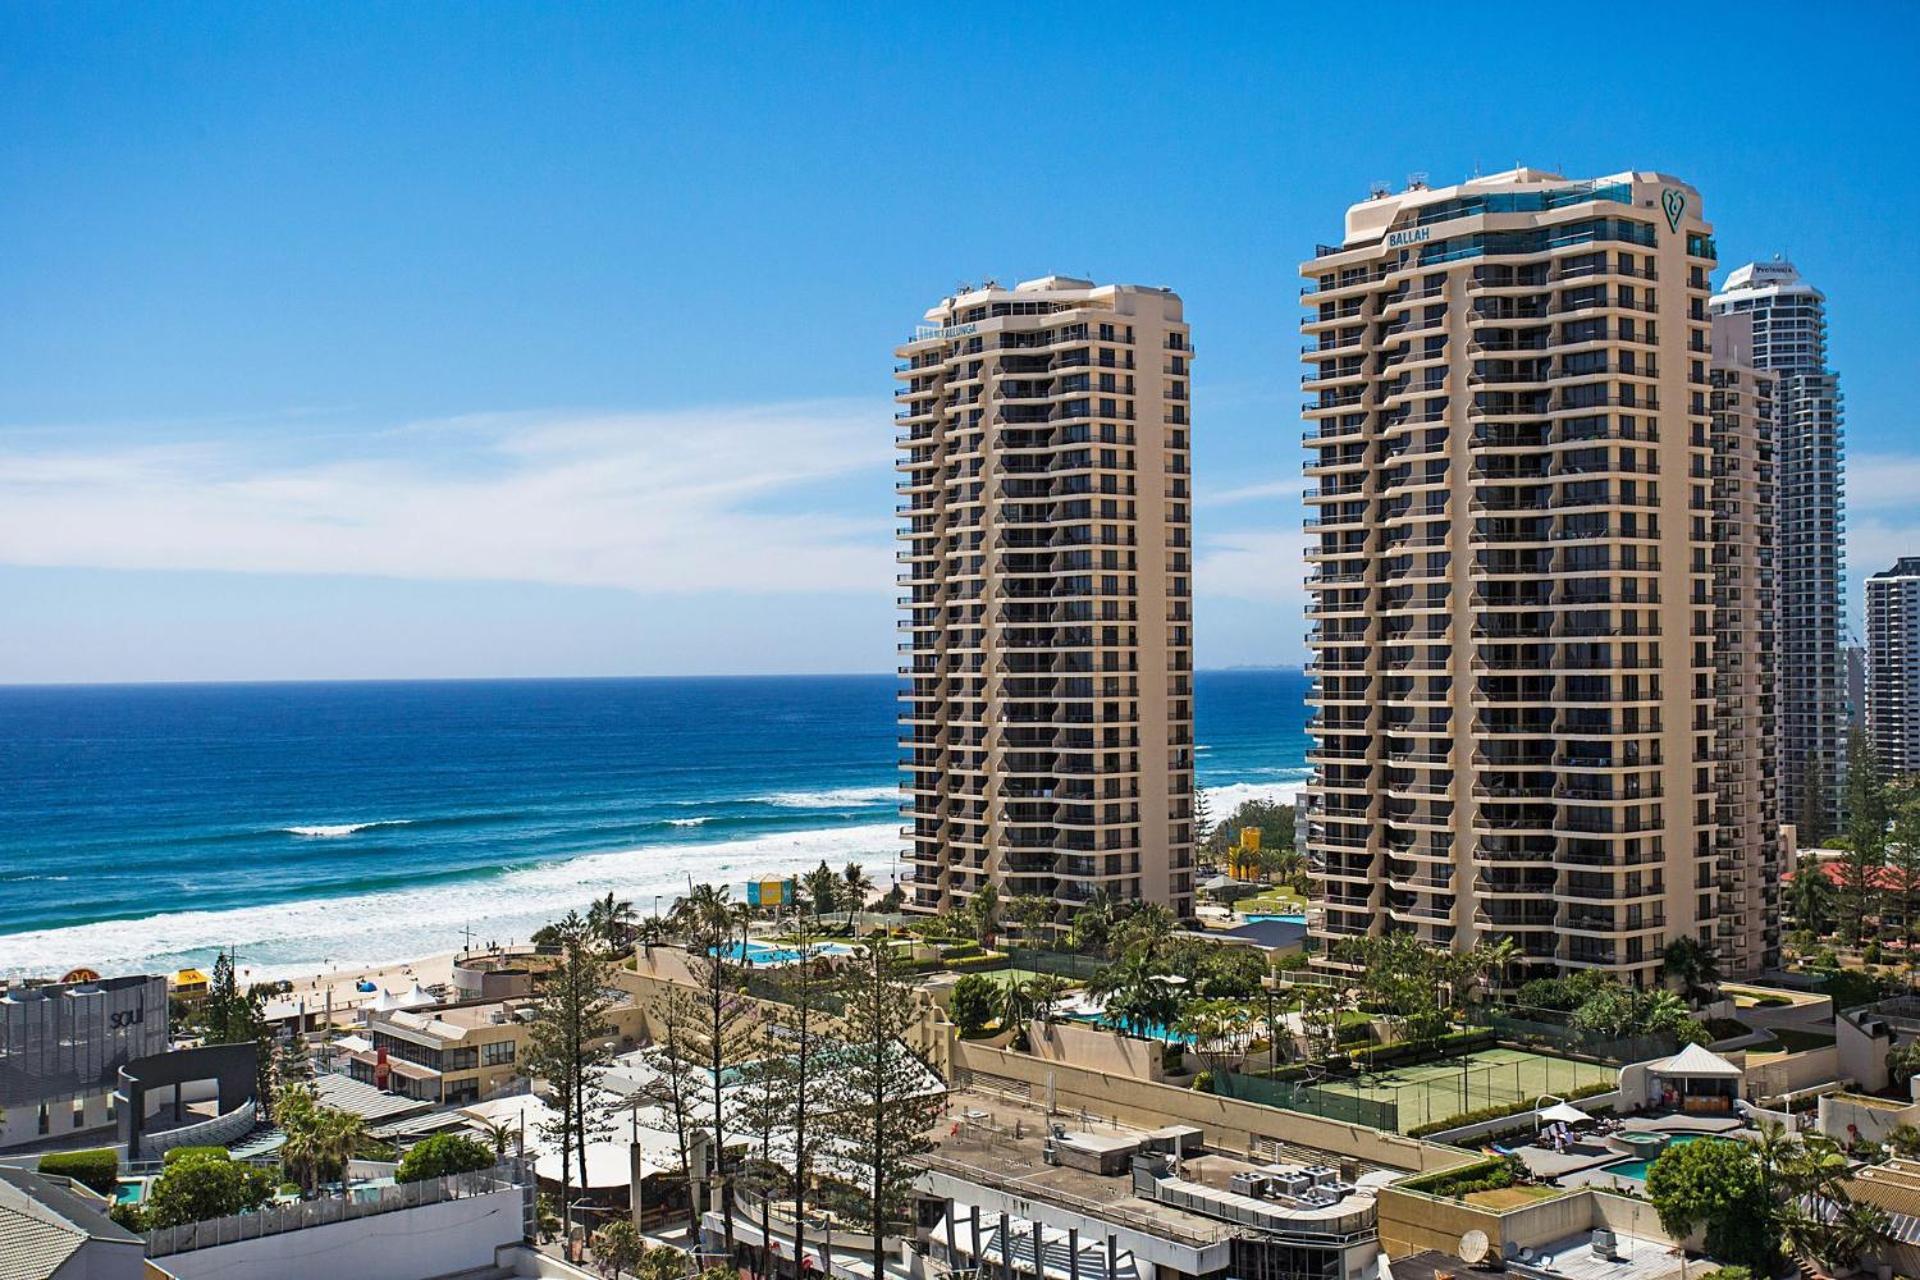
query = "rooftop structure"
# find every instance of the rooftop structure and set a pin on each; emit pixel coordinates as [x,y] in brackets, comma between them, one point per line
[53,1230]
[1137,1203]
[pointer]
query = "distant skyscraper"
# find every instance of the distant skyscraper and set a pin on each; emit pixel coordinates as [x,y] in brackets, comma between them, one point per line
[1893,666]
[1046,722]
[1512,544]
[1790,339]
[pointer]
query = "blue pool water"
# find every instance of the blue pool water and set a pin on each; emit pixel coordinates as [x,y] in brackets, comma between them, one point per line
[1289,918]
[1152,1033]
[1637,1169]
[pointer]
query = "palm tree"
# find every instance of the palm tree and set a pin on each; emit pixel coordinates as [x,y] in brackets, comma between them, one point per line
[983,912]
[1043,993]
[497,1134]
[823,889]
[1150,925]
[1692,964]
[1092,927]
[611,920]
[1138,996]
[858,886]
[705,915]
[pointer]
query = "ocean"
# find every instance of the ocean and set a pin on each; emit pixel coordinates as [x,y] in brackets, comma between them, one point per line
[145,827]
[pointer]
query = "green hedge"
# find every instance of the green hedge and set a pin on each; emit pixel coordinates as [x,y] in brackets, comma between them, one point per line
[1501,1111]
[1482,1175]
[98,1168]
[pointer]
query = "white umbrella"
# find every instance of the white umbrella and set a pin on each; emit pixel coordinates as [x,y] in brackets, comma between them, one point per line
[1564,1113]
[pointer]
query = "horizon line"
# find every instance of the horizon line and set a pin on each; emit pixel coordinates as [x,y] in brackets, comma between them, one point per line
[284,681]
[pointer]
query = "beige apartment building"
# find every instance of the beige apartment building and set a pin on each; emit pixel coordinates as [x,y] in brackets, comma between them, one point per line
[1747,858]
[1046,713]
[1511,554]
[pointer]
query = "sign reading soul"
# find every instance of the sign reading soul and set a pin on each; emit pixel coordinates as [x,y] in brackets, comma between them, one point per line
[1675,203]
[1409,237]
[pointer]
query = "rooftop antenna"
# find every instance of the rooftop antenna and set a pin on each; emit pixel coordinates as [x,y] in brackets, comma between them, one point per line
[1377,189]
[1417,181]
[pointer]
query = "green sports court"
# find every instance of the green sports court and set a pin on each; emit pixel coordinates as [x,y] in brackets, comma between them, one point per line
[1431,1091]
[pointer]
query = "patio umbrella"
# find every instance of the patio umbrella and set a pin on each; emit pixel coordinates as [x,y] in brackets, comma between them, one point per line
[1564,1113]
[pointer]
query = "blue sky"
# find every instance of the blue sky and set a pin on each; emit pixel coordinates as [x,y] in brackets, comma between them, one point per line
[413,339]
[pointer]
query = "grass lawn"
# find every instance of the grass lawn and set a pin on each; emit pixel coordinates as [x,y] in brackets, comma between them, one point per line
[1273,901]
[1795,1040]
[1511,1197]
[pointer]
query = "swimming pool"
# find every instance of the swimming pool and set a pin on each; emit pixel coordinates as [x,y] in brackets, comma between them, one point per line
[130,1191]
[1167,1034]
[760,953]
[1290,919]
[1636,1169]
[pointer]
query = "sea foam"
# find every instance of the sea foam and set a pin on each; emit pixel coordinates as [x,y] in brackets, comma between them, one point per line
[834,798]
[342,829]
[363,930]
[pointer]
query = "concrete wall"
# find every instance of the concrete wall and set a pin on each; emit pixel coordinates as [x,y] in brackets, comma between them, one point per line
[1845,1117]
[654,976]
[432,1240]
[1769,1078]
[1096,1048]
[1411,1221]
[1230,1123]
[1863,1052]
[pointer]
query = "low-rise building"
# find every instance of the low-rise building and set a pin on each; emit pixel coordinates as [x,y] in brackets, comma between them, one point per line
[51,1229]
[458,1053]
[1013,1191]
[62,1045]
[449,1054]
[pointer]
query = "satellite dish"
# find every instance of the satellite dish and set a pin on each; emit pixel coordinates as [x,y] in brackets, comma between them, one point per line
[1473,1247]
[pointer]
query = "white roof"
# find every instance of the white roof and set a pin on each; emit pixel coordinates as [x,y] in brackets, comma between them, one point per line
[1696,1062]
[417,996]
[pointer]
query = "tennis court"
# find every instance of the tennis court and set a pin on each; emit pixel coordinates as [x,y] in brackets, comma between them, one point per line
[1440,1090]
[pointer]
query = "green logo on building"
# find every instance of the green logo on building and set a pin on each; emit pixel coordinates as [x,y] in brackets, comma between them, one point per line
[1675,203]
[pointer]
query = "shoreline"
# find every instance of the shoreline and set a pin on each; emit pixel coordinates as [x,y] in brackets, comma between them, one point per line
[387,931]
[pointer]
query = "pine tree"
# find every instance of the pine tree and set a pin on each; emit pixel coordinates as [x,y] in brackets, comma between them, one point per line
[1903,856]
[1866,832]
[566,1044]
[721,1035]
[677,1084]
[796,1025]
[881,1120]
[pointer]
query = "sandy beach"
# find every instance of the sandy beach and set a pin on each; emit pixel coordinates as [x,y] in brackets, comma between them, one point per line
[342,982]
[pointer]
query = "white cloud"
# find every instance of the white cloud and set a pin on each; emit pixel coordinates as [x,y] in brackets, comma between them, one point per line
[679,501]
[1289,488]
[1884,482]
[1255,564]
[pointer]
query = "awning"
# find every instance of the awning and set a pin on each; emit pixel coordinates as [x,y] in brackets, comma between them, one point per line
[1055,1260]
[1694,1062]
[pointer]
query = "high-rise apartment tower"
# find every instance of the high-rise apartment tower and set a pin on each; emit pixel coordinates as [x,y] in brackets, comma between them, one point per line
[1789,319]
[1510,544]
[1893,666]
[1046,721]
[1747,855]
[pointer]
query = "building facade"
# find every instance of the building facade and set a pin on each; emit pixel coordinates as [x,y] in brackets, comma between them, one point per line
[61,1049]
[1046,706]
[1790,339]
[1893,667]
[1748,858]
[1510,587]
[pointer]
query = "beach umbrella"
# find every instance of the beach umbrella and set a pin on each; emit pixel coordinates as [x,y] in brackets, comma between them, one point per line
[1565,1113]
